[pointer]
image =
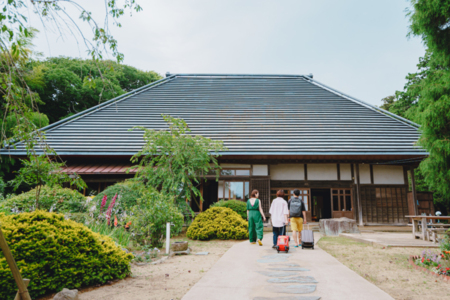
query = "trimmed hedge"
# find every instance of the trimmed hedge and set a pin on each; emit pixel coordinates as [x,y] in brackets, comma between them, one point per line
[218,223]
[62,199]
[238,206]
[55,253]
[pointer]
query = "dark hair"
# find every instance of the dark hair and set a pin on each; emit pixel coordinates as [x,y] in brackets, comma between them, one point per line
[296,192]
[280,193]
[254,192]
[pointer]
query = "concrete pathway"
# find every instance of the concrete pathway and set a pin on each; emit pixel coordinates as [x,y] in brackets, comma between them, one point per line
[253,272]
[390,239]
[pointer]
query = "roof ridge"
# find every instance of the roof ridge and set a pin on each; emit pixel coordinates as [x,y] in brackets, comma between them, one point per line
[237,75]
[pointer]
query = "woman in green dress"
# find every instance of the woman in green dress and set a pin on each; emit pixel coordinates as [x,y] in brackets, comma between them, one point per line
[255,215]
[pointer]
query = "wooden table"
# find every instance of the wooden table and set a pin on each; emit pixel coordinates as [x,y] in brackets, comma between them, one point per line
[423,234]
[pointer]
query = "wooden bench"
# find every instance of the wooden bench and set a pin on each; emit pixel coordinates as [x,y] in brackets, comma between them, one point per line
[434,232]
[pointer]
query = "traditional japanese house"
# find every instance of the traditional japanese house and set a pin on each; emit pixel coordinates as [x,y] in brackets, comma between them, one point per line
[348,158]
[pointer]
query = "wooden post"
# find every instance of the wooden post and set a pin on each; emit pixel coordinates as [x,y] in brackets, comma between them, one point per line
[358,197]
[201,198]
[23,292]
[413,188]
[26,281]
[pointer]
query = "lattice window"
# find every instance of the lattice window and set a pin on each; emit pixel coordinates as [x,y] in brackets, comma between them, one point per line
[385,205]
[263,186]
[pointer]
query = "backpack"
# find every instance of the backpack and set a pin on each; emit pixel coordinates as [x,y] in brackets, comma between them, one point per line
[296,208]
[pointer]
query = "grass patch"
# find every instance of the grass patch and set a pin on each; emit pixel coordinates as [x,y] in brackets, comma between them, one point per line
[387,268]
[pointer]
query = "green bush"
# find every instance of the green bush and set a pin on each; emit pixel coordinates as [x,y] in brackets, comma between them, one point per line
[218,223]
[56,253]
[238,206]
[129,191]
[56,199]
[150,215]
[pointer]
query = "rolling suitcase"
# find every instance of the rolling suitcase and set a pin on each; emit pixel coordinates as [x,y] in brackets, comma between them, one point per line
[307,239]
[283,242]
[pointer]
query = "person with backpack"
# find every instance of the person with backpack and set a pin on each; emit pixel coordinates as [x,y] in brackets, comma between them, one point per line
[297,214]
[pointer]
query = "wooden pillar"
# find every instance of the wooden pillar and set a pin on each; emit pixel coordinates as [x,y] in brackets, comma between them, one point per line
[358,197]
[201,198]
[23,292]
[413,190]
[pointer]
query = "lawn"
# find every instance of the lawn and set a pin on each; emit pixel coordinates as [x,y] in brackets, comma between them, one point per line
[387,268]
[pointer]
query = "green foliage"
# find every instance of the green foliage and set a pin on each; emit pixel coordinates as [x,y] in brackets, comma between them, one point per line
[69,85]
[150,215]
[53,198]
[129,192]
[218,223]
[238,206]
[40,170]
[175,160]
[119,234]
[56,253]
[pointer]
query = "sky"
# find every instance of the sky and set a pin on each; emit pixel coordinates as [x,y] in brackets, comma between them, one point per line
[358,47]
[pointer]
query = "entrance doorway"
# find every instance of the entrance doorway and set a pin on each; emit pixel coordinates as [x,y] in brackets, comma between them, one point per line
[321,204]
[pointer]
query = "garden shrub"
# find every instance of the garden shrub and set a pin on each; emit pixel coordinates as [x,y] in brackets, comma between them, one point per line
[218,223]
[56,198]
[150,215]
[129,191]
[238,206]
[55,253]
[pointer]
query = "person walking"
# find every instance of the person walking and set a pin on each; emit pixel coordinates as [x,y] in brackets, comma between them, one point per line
[297,214]
[254,215]
[279,214]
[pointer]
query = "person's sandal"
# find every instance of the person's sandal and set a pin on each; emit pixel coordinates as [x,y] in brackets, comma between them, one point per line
[259,242]
[252,242]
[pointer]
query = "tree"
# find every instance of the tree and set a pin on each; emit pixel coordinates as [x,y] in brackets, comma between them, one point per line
[18,99]
[175,161]
[69,85]
[426,97]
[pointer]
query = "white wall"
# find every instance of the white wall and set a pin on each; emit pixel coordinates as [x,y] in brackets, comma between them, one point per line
[346,171]
[383,174]
[364,173]
[287,172]
[260,170]
[322,171]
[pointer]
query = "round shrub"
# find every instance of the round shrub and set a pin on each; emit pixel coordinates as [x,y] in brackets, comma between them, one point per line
[238,206]
[56,199]
[129,191]
[55,253]
[218,223]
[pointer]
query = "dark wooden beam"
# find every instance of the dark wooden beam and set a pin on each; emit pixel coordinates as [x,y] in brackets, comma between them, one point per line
[306,171]
[338,171]
[371,174]
[358,196]
[413,189]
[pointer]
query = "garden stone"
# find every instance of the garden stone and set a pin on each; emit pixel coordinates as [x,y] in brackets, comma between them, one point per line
[289,298]
[172,253]
[179,246]
[294,279]
[295,289]
[66,294]
[334,227]
[274,258]
[202,253]
[289,269]
[275,274]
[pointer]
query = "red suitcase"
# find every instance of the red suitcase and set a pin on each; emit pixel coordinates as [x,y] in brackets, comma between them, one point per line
[283,243]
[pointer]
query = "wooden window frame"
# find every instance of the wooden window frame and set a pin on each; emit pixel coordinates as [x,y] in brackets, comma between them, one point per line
[229,193]
[273,193]
[340,192]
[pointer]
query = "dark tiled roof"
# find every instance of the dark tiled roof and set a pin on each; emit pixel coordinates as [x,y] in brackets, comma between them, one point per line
[252,114]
